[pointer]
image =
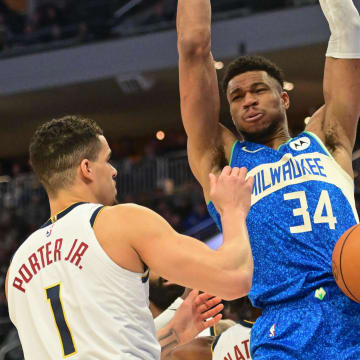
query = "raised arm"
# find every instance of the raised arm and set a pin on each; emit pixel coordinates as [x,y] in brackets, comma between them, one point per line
[337,120]
[199,92]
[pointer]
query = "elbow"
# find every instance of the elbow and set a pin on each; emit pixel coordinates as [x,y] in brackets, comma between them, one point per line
[195,44]
[239,287]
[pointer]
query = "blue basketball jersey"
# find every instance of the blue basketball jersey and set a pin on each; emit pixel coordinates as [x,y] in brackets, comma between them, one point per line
[302,202]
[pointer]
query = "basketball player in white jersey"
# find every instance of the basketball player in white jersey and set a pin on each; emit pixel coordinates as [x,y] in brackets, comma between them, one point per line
[77,287]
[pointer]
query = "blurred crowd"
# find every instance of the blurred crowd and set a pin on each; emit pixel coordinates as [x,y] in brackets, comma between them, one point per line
[32,24]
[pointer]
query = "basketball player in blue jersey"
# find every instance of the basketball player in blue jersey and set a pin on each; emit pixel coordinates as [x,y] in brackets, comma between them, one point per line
[78,286]
[302,199]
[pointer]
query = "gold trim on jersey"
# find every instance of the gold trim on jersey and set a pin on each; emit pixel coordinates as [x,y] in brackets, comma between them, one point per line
[98,215]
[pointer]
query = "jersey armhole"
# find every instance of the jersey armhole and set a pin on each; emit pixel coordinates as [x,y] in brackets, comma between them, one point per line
[95,214]
[233,151]
[213,345]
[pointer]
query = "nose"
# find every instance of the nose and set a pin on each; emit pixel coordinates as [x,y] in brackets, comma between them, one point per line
[250,99]
[114,172]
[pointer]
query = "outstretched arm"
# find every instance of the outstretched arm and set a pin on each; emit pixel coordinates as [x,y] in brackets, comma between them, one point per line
[142,236]
[199,91]
[337,120]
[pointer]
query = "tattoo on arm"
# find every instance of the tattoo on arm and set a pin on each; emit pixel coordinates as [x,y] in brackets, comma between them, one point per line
[168,340]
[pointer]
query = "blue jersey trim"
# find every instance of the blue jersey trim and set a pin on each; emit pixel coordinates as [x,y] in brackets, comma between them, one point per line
[61,214]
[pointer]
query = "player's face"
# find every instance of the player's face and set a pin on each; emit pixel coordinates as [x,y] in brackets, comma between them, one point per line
[257,105]
[104,173]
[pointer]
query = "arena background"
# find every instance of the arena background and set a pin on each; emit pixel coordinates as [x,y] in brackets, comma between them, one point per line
[116,62]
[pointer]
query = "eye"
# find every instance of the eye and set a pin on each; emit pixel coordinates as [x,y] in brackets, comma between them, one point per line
[258,91]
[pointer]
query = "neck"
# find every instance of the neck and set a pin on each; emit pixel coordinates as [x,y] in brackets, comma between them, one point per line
[277,139]
[65,198]
[272,139]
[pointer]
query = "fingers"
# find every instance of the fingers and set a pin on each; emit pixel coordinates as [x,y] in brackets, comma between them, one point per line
[207,305]
[228,171]
[212,312]
[250,181]
[192,296]
[206,298]
[235,171]
[211,322]
[213,180]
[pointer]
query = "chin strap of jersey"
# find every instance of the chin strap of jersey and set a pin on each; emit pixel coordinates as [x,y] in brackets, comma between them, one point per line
[344,23]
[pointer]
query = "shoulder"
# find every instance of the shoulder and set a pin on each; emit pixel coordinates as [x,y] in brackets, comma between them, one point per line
[130,219]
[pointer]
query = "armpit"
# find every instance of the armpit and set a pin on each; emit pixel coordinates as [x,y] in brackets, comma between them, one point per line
[219,160]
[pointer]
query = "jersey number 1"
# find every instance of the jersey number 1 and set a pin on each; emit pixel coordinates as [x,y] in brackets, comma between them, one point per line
[53,296]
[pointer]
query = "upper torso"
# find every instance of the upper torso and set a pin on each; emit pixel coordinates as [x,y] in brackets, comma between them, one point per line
[302,202]
[68,298]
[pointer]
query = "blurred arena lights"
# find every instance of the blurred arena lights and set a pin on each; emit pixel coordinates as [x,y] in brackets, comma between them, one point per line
[288,86]
[218,65]
[160,135]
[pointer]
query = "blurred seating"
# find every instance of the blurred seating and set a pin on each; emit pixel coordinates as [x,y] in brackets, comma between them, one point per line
[48,24]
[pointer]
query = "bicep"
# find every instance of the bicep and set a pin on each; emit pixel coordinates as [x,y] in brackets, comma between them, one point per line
[165,251]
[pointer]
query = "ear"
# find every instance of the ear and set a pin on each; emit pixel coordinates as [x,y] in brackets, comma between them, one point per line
[85,169]
[285,100]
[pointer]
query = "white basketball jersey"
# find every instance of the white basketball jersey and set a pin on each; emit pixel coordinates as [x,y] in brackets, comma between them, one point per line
[234,343]
[67,298]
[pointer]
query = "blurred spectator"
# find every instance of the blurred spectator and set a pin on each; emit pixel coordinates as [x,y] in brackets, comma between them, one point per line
[26,23]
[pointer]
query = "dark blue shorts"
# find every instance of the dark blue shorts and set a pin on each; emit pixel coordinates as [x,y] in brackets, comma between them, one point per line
[309,329]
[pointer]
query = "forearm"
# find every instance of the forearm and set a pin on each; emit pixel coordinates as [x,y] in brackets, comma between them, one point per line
[236,242]
[193,23]
[168,339]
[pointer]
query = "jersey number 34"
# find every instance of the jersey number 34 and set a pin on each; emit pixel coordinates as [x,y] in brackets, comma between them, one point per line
[320,216]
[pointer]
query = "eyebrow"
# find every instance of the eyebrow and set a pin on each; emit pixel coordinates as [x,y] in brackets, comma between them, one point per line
[252,86]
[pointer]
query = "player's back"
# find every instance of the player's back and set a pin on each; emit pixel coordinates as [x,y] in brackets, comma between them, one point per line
[67,298]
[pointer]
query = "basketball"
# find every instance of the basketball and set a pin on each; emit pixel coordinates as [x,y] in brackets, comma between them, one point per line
[346,264]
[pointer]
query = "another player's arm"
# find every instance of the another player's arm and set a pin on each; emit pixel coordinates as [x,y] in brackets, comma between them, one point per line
[337,120]
[197,349]
[225,272]
[199,91]
[195,314]
[132,234]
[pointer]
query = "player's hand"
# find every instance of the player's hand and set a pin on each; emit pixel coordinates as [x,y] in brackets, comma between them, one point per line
[231,190]
[196,313]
